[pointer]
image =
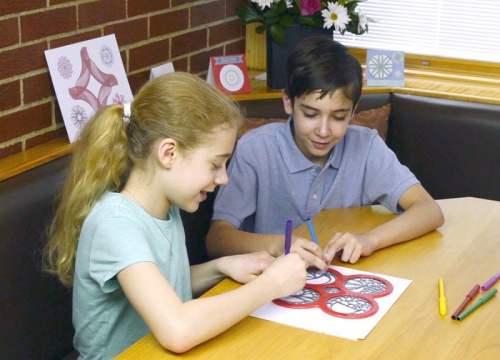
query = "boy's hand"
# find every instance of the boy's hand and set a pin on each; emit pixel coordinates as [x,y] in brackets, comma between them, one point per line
[352,246]
[312,253]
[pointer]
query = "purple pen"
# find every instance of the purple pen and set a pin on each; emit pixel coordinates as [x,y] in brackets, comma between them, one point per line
[288,236]
[490,282]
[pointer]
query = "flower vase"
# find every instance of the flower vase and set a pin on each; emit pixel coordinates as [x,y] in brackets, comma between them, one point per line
[277,54]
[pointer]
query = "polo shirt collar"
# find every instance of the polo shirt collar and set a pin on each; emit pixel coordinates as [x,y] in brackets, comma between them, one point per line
[294,159]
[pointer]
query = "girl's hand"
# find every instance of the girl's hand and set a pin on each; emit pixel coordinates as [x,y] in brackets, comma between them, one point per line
[246,267]
[287,275]
[352,246]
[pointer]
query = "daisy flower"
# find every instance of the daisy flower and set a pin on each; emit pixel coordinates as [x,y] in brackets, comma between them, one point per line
[263,3]
[363,21]
[335,15]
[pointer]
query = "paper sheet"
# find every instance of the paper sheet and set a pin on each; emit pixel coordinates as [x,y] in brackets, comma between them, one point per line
[349,320]
[87,76]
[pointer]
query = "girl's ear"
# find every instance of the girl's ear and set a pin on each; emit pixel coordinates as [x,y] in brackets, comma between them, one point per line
[287,103]
[167,152]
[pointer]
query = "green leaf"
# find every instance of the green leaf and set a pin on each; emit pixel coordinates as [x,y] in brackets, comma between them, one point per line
[281,6]
[305,20]
[270,14]
[277,33]
[260,29]
[249,14]
[286,20]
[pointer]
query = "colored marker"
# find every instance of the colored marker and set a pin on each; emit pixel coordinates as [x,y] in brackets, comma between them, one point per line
[477,304]
[288,236]
[442,299]
[490,282]
[467,300]
[311,230]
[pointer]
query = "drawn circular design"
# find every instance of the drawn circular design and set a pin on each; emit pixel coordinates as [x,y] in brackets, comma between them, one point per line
[315,276]
[380,66]
[64,67]
[79,116]
[231,77]
[345,296]
[107,56]
[301,297]
[332,290]
[398,57]
[365,285]
[349,306]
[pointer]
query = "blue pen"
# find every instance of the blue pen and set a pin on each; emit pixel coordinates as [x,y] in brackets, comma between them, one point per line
[311,230]
[288,236]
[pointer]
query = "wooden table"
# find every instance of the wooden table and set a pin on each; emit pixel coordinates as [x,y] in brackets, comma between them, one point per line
[464,251]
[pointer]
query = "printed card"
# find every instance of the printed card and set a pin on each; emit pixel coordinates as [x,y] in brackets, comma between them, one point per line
[385,68]
[229,74]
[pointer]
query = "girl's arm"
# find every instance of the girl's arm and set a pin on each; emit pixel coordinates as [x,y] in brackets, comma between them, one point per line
[180,326]
[242,268]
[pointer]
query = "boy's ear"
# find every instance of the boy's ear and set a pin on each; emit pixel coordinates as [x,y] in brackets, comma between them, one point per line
[167,152]
[287,103]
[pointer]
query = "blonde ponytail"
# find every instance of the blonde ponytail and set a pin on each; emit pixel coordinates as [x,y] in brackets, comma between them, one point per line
[100,163]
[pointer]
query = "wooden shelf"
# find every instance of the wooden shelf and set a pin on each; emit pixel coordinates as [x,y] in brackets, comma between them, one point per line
[36,156]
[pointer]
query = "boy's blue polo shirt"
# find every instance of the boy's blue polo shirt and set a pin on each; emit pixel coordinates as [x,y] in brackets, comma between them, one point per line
[271,181]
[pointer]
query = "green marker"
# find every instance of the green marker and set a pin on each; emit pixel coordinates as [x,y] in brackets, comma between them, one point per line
[478,303]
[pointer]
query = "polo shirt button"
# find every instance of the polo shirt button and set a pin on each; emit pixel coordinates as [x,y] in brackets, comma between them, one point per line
[315,196]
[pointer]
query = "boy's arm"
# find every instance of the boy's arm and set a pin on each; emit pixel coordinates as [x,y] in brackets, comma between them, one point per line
[422,214]
[224,239]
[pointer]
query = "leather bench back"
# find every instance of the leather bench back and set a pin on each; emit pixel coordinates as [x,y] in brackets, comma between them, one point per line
[35,309]
[453,147]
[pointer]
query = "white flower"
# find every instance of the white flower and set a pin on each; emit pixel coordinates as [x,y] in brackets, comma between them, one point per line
[335,15]
[363,21]
[264,3]
[289,3]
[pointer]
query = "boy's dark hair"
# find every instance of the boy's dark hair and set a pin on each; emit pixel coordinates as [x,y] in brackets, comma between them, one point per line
[322,64]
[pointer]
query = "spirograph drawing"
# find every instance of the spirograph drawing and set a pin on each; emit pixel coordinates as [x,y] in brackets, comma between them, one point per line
[350,297]
[80,90]
[79,116]
[64,67]
[380,66]
[107,56]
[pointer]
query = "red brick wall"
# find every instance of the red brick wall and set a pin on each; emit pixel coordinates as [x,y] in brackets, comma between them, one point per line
[149,33]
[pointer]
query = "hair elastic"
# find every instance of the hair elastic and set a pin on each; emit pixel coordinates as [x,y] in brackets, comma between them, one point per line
[127,112]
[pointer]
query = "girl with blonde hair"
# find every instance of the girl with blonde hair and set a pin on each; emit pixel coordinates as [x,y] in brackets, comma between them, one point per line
[117,238]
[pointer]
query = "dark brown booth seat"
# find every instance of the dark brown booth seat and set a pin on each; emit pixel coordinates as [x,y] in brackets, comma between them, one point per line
[35,309]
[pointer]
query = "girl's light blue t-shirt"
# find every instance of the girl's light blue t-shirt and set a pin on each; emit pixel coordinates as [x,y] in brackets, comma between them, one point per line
[118,233]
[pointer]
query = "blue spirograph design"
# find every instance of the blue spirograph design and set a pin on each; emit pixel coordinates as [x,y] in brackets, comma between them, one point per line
[380,66]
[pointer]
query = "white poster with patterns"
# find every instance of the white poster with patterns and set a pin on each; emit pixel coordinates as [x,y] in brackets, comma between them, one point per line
[87,76]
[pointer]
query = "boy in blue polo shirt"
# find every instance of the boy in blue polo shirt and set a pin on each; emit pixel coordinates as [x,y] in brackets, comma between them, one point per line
[317,161]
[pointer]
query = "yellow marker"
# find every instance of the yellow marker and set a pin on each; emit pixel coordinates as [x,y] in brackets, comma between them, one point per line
[442,299]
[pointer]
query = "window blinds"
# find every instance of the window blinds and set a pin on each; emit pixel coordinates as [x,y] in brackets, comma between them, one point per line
[460,29]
